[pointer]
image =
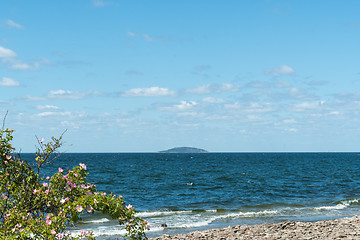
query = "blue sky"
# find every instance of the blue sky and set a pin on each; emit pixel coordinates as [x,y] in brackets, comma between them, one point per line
[144,76]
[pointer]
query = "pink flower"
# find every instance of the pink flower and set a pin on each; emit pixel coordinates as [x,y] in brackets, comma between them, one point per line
[48,222]
[8,157]
[47,191]
[83,166]
[60,235]
[41,140]
[65,177]
[75,174]
[6,162]
[45,184]
[104,194]
[82,231]
[64,200]
[89,209]
[79,208]
[129,207]
[61,170]
[36,190]
[53,232]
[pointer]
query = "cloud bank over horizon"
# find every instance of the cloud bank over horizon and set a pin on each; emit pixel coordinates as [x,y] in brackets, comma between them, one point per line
[118,83]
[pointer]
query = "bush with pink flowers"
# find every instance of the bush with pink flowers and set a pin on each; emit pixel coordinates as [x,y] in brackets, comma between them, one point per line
[32,207]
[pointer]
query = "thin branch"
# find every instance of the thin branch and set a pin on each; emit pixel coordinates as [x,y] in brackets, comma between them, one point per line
[3,125]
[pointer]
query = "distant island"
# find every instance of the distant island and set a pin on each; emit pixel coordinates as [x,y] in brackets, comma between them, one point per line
[184,150]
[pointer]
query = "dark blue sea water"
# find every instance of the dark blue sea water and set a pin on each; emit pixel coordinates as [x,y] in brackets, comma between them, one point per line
[200,191]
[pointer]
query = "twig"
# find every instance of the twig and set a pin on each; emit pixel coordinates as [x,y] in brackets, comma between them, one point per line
[3,125]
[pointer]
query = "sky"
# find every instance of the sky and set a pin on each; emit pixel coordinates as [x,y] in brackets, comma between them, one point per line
[149,75]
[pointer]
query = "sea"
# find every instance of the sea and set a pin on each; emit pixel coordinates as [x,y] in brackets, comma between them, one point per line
[181,193]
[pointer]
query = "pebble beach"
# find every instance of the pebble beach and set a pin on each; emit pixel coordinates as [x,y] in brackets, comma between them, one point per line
[344,228]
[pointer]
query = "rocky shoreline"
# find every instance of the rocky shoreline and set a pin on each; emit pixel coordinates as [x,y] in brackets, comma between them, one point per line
[344,228]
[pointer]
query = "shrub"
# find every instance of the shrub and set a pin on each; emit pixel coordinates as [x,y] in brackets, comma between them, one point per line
[32,207]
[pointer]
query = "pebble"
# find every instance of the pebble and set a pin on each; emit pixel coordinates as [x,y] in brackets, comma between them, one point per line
[344,228]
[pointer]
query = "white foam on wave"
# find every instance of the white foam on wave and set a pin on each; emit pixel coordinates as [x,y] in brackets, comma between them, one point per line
[116,230]
[173,219]
[160,213]
[224,216]
[336,207]
[109,231]
[342,205]
[349,202]
[211,211]
[102,220]
[150,214]
[194,224]
[250,214]
[155,229]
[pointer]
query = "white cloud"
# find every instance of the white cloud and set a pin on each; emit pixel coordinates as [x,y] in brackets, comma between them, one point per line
[308,105]
[149,92]
[62,94]
[9,58]
[100,3]
[9,82]
[204,89]
[183,106]
[6,53]
[260,107]
[281,70]
[11,23]
[46,114]
[212,100]
[258,84]
[227,87]
[289,121]
[217,88]
[235,105]
[253,117]
[131,34]
[282,84]
[47,107]
[252,107]
[32,98]
[24,66]
[293,130]
[147,38]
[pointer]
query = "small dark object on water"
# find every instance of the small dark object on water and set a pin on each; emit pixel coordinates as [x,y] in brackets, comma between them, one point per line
[163,225]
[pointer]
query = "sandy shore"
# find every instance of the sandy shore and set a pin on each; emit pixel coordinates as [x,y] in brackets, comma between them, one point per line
[344,228]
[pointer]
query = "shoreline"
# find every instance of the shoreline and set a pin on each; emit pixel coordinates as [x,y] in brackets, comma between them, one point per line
[342,228]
